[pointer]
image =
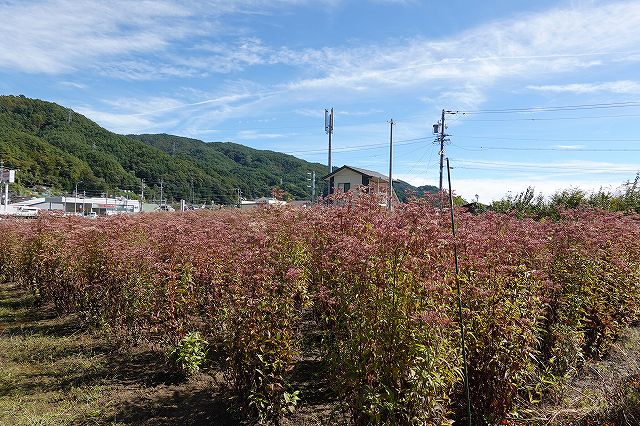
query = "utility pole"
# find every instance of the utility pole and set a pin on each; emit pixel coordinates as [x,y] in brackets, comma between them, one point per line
[7,176]
[313,185]
[328,128]
[75,198]
[2,177]
[239,192]
[441,149]
[390,199]
[6,186]
[439,128]
[142,189]
[161,192]
[191,192]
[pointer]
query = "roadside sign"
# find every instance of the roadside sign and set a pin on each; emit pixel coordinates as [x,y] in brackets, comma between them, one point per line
[8,176]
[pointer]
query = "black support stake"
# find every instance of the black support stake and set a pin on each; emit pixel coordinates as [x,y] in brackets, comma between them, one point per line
[460,318]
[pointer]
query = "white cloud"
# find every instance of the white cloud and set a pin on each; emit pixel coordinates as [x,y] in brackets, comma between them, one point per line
[397,2]
[252,134]
[493,189]
[62,35]
[73,85]
[119,123]
[568,147]
[516,176]
[558,168]
[626,87]
[551,42]
[59,36]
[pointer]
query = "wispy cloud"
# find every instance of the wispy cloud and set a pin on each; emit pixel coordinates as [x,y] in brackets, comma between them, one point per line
[574,167]
[122,123]
[58,36]
[252,134]
[627,87]
[129,40]
[73,85]
[396,2]
[568,147]
[555,41]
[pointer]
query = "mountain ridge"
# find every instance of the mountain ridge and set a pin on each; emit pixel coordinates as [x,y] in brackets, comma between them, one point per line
[55,148]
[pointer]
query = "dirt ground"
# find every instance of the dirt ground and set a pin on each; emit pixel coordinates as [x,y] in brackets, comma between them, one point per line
[55,372]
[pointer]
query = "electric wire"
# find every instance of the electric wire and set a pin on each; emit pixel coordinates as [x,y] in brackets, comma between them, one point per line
[580,107]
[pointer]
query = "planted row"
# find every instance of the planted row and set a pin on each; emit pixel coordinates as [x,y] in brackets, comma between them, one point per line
[379,287]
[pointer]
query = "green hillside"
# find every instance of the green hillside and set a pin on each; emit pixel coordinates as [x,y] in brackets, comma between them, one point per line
[54,148]
[255,172]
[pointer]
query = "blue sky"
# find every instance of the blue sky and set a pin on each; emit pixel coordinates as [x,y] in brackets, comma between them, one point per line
[261,73]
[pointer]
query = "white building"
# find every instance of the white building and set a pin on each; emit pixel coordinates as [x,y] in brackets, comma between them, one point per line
[104,206]
[263,201]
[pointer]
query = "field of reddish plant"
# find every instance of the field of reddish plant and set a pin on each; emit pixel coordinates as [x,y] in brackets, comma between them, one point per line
[538,297]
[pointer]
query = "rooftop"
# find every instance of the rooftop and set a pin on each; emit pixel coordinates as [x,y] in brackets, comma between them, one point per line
[365,172]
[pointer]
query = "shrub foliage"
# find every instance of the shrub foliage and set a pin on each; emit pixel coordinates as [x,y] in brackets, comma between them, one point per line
[539,297]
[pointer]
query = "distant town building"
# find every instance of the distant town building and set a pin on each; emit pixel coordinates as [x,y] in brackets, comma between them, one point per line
[103,206]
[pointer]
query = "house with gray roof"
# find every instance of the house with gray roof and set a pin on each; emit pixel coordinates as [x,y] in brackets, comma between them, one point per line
[349,178]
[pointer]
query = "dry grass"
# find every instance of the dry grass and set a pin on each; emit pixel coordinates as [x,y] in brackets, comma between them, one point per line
[53,371]
[604,392]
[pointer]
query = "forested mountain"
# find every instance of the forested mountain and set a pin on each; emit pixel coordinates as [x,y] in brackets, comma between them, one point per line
[55,148]
[255,172]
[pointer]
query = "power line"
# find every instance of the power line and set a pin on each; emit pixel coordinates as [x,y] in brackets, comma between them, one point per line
[629,104]
[473,120]
[506,148]
[541,166]
[513,138]
[361,147]
[558,171]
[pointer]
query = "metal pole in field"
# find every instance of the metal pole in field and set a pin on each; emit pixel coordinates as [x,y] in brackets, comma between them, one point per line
[6,196]
[460,318]
[390,195]
[75,198]
[312,181]
[6,186]
[313,186]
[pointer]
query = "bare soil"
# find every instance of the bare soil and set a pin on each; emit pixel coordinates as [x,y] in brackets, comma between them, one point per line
[56,372]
